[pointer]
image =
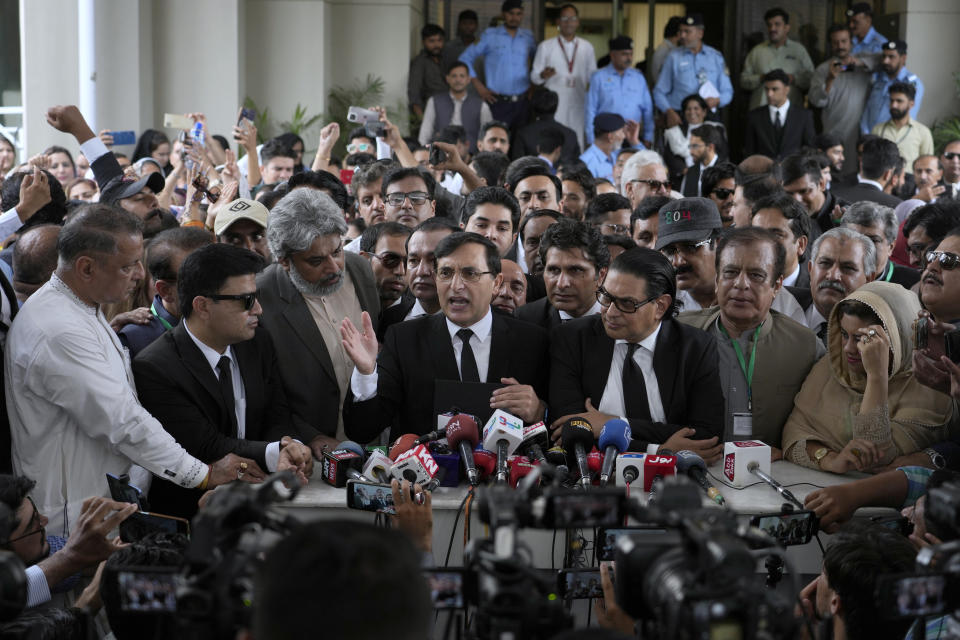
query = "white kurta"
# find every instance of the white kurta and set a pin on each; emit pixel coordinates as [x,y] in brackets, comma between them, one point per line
[74,413]
[570,84]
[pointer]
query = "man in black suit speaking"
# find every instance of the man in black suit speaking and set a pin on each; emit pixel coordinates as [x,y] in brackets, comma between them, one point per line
[778,128]
[465,342]
[213,381]
[636,362]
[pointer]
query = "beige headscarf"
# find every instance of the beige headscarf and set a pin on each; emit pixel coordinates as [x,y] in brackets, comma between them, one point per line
[827,409]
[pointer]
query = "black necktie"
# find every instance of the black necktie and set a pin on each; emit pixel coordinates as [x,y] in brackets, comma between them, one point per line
[822,333]
[468,363]
[226,390]
[777,124]
[634,388]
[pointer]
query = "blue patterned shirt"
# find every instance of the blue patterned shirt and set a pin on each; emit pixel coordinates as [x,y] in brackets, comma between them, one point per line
[506,59]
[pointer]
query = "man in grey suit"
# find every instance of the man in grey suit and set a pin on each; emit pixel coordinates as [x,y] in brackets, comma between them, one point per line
[305,296]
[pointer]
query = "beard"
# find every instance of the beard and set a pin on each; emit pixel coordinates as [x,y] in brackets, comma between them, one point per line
[897,114]
[321,289]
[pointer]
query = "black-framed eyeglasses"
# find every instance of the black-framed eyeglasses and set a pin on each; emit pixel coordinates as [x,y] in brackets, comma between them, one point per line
[34,519]
[948,261]
[467,274]
[248,299]
[626,305]
[389,259]
[417,198]
[722,194]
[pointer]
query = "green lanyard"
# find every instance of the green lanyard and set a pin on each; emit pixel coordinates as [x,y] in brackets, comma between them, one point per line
[153,310]
[889,273]
[747,370]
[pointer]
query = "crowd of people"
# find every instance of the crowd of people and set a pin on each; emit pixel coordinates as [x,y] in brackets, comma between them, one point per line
[194,316]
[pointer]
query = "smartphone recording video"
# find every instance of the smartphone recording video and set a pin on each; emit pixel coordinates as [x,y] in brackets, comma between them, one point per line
[446,588]
[788,528]
[579,584]
[147,591]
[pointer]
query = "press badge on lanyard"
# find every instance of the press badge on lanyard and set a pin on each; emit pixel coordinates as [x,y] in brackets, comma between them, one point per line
[743,420]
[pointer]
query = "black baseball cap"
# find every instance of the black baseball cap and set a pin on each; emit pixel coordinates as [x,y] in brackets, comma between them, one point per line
[687,220]
[122,187]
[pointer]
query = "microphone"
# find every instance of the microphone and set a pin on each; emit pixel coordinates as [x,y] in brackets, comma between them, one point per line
[486,462]
[614,439]
[655,469]
[342,463]
[577,440]
[404,443]
[629,467]
[377,467]
[594,463]
[415,465]
[535,440]
[462,435]
[736,457]
[430,437]
[754,468]
[520,467]
[693,465]
[503,433]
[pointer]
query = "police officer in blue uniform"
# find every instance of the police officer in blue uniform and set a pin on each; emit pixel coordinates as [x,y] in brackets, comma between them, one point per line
[688,70]
[609,131]
[621,89]
[866,40]
[893,68]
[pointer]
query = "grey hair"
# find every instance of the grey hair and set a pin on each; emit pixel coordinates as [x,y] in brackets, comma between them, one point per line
[842,235]
[636,162]
[299,218]
[867,213]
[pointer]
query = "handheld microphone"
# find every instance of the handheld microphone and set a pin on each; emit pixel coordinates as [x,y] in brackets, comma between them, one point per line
[520,467]
[486,462]
[594,463]
[693,465]
[629,467]
[535,440]
[462,434]
[377,467]
[503,433]
[404,443]
[614,440]
[656,468]
[342,463]
[430,437]
[415,465]
[577,440]
[754,468]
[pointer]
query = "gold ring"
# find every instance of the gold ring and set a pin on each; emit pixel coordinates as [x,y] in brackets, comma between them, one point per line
[855,452]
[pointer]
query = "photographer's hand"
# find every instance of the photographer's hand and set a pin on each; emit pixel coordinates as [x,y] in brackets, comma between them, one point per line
[609,613]
[416,520]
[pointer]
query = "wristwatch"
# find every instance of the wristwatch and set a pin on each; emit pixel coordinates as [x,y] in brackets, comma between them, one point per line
[820,454]
[935,458]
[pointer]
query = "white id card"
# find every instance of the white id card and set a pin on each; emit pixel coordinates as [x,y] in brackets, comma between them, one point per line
[743,424]
[571,82]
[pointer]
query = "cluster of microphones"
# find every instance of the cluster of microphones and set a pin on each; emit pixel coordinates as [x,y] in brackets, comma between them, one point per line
[507,452]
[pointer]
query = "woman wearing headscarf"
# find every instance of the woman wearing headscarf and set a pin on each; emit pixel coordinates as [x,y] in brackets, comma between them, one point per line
[860,406]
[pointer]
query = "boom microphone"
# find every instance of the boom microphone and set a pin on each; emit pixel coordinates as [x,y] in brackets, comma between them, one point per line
[462,434]
[433,435]
[577,440]
[754,468]
[503,433]
[614,440]
[693,465]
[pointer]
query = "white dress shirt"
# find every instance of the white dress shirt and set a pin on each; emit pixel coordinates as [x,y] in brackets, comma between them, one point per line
[74,413]
[364,387]
[416,311]
[782,110]
[38,591]
[790,280]
[595,309]
[813,319]
[429,127]
[612,401]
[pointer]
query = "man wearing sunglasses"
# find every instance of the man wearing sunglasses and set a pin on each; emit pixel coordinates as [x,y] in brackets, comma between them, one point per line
[950,161]
[644,175]
[636,362]
[384,245]
[719,184]
[214,381]
[467,342]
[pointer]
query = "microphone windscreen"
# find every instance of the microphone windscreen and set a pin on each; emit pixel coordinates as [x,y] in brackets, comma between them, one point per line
[462,427]
[688,460]
[352,446]
[577,431]
[617,433]
[486,462]
[404,443]
[556,455]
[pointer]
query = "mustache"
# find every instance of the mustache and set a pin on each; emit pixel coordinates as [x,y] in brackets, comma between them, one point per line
[684,269]
[836,285]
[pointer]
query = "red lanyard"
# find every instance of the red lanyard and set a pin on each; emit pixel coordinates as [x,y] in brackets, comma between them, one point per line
[569,61]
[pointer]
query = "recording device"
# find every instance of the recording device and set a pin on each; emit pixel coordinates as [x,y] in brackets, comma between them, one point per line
[342,464]
[614,440]
[462,435]
[946,344]
[607,538]
[404,443]
[900,524]
[359,115]
[693,466]
[437,155]
[375,129]
[594,465]
[657,467]
[122,491]
[142,523]
[377,467]
[486,462]
[535,440]
[370,496]
[629,468]
[577,437]
[754,467]
[790,528]
[579,584]
[736,457]
[415,465]
[177,121]
[152,590]
[910,595]
[123,137]
[246,114]
[503,433]
[432,436]
[447,587]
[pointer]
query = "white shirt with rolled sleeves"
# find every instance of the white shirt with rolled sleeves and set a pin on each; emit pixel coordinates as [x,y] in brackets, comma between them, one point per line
[74,413]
